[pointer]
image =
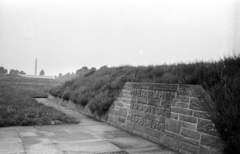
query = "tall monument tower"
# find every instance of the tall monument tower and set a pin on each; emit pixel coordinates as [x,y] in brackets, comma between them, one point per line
[35,73]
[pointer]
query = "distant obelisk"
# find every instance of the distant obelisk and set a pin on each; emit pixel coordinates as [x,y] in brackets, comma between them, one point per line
[35,67]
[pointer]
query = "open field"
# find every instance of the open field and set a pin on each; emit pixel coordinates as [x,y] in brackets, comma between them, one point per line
[18,108]
[37,88]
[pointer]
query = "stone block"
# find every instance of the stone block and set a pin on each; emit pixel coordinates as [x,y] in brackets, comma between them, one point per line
[117,103]
[117,108]
[140,106]
[128,123]
[142,100]
[155,140]
[204,150]
[141,113]
[206,126]
[166,104]
[182,89]
[171,143]
[188,140]
[195,104]
[128,128]
[190,134]
[160,127]
[184,151]
[182,138]
[134,98]
[159,111]
[161,119]
[212,141]
[154,102]
[167,113]
[182,111]
[200,114]
[174,116]
[182,98]
[180,104]
[173,125]
[149,116]
[127,96]
[122,112]
[151,109]
[112,106]
[126,101]
[126,91]
[212,151]
[189,147]
[189,125]
[129,117]
[188,118]
[113,112]
[120,119]
[158,134]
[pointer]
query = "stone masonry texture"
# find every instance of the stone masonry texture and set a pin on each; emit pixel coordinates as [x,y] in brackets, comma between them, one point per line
[169,114]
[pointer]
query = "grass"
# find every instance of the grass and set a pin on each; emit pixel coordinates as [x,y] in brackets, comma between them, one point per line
[36,88]
[18,108]
[221,79]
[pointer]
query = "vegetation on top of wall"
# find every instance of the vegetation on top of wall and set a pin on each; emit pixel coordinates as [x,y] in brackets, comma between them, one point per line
[221,79]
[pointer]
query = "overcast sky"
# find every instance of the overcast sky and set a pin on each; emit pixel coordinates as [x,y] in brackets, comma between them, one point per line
[65,35]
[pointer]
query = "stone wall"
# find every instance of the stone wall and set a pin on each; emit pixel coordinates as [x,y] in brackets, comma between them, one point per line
[169,114]
[172,115]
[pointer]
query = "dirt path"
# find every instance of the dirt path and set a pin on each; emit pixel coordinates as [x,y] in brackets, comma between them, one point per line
[67,110]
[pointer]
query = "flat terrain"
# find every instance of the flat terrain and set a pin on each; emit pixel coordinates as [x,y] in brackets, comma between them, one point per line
[34,87]
[18,108]
[87,137]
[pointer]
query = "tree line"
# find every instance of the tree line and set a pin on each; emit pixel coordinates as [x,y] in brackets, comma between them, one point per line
[4,71]
[80,72]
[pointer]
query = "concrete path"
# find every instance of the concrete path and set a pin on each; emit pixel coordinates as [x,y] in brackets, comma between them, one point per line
[88,137]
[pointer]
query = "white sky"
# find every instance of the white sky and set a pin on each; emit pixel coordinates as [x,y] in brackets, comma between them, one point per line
[66,35]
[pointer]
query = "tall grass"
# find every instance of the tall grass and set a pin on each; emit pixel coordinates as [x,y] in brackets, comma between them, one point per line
[221,79]
[17,108]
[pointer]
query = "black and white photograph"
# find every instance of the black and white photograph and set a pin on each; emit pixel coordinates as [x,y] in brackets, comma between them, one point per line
[119,76]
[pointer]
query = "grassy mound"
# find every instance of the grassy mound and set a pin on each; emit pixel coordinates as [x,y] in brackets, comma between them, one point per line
[220,79]
[17,108]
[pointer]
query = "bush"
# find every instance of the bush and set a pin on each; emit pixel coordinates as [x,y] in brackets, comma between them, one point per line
[66,95]
[220,79]
[226,95]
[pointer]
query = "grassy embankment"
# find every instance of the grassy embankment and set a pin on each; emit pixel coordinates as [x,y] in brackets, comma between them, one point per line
[18,108]
[220,79]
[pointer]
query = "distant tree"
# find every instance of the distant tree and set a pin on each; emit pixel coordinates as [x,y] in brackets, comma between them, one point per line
[60,75]
[85,68]
[103,67]
[82,71]
[68,76]
[42,72]
[72,75]
[14,72]
[6,71]
[22,72]
[93,68]
[56,77]
[2,70]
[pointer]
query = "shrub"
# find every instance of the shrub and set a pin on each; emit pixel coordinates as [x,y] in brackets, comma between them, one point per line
[66,95]
[226,95]
[220,79]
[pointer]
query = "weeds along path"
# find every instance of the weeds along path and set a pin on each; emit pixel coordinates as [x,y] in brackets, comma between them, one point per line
[67,110]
